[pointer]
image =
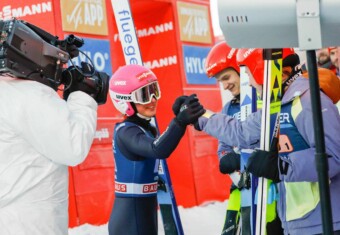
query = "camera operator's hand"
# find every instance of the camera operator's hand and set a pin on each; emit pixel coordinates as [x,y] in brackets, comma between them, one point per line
[190,111]
[81,79]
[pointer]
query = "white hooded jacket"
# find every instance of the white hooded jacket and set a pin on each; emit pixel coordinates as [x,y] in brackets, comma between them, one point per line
[40,136]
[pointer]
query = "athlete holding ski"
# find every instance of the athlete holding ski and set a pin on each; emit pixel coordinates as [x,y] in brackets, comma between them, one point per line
[294,168]
[221,64]
[135,92]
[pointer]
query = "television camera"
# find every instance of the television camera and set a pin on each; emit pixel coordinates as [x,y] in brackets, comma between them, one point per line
[29,52]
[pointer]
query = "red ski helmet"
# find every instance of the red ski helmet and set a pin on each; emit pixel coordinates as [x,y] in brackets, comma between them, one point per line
[133,83]
[220,57]
[253,59]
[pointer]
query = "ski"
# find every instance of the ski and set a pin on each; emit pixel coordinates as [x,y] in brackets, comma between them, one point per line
[165,194]
[271,107]
[167,202]
[247,106]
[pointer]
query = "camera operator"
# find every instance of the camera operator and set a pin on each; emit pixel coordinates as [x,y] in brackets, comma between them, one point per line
[41,135]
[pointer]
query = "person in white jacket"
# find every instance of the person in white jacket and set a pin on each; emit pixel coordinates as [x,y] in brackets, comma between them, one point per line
[42,134]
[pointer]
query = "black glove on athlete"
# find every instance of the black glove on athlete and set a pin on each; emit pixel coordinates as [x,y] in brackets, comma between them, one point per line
[230,163]
[178,103]
[190,111]
[264,164]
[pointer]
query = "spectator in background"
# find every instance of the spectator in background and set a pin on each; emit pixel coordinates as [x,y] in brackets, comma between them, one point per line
[323,59]
[334,57]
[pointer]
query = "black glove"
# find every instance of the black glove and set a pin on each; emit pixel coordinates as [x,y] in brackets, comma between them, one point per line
[81,79]
[264,164]
[274,227]
[178,103]
[230,163]
[190,111]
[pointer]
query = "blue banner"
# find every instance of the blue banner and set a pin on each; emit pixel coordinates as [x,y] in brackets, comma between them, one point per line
[98,51]
[194,60]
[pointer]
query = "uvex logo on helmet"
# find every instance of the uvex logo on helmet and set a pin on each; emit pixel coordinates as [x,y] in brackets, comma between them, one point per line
[248,52]
[211,66]
[231,53]
[123,97]
[119,83]
[143,75]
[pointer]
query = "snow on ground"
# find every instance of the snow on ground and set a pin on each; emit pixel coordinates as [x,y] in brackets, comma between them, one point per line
[205,219]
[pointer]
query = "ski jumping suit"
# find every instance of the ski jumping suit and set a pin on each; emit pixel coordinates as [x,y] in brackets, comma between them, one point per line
[298,203]
[231,108]
[136,153]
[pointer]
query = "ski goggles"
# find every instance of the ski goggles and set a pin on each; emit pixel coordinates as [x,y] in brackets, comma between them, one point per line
[144,94]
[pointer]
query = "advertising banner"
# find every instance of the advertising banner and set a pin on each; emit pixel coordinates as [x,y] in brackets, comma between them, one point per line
[37,12]
[194,60]
[84,16]
[98,51]
[194,22]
